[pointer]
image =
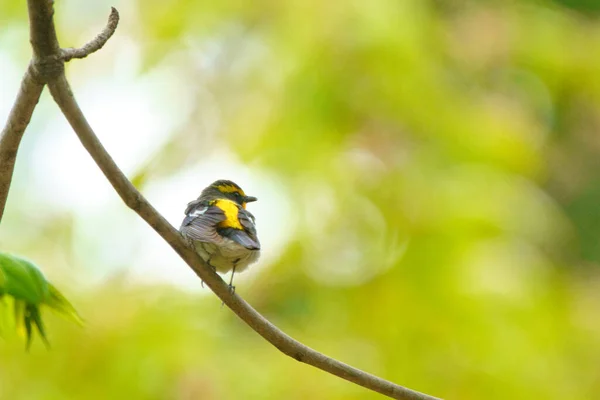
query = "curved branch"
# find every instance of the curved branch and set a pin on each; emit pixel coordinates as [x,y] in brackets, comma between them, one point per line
[64,98]
[10,138]
[96,43]
[45,44]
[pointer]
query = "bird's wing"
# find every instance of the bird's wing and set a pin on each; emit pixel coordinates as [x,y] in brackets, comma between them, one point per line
[240,236]
[247,236]
[200,222]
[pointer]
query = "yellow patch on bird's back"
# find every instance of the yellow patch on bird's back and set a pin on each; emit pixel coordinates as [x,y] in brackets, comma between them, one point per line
[231,210]
[230,189]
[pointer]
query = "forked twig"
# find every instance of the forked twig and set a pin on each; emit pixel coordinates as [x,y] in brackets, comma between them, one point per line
[96,43]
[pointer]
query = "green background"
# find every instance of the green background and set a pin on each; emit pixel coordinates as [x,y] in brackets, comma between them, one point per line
[436,164]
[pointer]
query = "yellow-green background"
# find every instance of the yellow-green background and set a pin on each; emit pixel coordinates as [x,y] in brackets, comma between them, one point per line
[438,163]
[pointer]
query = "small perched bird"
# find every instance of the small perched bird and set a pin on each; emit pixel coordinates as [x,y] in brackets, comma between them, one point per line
[220,228]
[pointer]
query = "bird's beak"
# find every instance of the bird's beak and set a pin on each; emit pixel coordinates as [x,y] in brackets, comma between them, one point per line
[249,199]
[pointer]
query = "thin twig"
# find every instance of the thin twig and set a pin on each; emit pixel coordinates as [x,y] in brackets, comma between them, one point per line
[47,66]
[96,43]
[10,138]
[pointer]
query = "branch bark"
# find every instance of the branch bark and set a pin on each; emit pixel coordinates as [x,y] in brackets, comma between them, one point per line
[44,65]
[48,67]
[10,138]
[96,43]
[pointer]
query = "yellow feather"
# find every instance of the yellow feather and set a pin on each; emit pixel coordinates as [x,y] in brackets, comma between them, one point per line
[230,189]
[231,210]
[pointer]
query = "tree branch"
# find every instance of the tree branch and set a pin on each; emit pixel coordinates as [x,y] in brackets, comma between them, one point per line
[42,34]
[48,67]
[96,43]
[45,47]
[64,98]
[10,138]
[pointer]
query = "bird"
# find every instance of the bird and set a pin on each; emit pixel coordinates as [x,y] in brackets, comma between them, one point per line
[221,230]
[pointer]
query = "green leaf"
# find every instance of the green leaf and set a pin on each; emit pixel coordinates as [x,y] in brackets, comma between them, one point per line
[28,330]
[23,290]
[61,305]
[22,280]
[35,317]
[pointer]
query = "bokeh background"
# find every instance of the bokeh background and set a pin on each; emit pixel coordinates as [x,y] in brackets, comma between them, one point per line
[428,175]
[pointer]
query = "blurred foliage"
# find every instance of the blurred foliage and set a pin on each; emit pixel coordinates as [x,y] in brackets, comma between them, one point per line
[23,291]
[441,161]
[590,7]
